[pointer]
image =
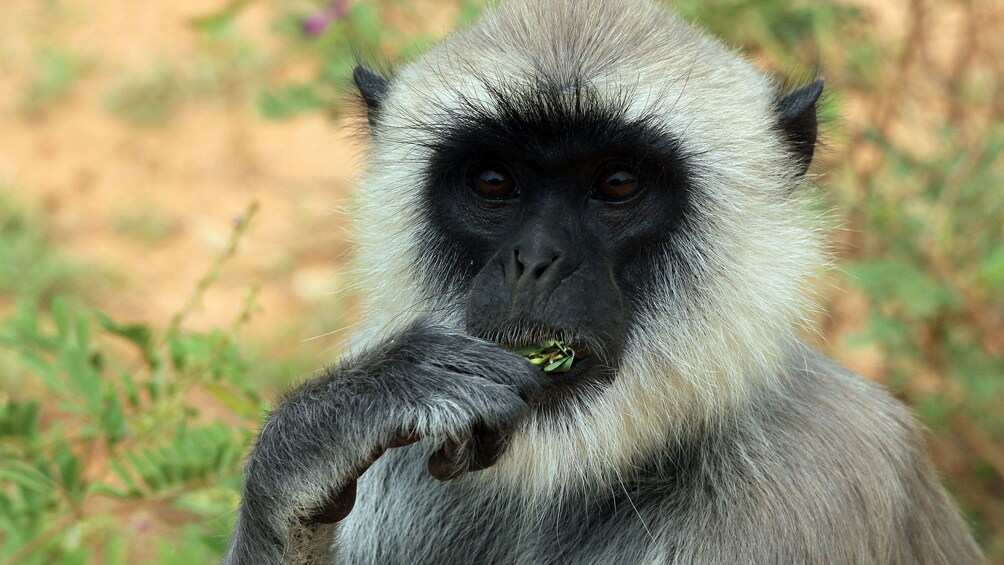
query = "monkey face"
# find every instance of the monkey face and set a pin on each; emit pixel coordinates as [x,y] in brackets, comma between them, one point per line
[545,221]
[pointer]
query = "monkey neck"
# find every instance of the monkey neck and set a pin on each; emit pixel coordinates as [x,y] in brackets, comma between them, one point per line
[610,435]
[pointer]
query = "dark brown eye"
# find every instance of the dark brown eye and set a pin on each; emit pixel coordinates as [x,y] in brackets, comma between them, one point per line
[493,182]
[618,185]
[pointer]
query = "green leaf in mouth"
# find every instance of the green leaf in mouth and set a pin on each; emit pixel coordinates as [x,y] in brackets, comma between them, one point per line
[552,356]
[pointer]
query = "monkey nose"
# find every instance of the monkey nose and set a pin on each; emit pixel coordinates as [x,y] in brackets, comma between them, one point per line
[532,271]
[533,263]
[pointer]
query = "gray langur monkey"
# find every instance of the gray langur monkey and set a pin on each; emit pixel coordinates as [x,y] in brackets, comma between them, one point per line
[600,172]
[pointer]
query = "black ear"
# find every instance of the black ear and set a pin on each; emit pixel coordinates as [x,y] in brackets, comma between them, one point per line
[796,115]
[373,88]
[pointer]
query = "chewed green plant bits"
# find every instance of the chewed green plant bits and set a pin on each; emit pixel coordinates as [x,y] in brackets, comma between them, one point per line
[552,356]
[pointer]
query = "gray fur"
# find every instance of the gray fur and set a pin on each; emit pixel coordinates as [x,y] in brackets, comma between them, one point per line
[722,438]
[826,468]
[425,381]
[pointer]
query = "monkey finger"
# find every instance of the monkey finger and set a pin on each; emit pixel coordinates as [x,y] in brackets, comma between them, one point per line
[446,463]
[337,507]
[486,449]
[403,438]
[340,503]
[455,459]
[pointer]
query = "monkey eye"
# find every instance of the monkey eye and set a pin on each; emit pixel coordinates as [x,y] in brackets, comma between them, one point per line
[618,184]
[493,181]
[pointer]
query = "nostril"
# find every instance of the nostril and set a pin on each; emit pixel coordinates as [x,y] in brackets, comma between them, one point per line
[530,265]
[539,271]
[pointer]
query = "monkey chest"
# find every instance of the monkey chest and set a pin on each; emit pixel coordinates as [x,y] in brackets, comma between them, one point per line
[404,516]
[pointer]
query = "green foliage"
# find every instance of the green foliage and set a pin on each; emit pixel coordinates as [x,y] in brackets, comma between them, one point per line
[992,271]
[121,410]
[29,267]
[289,100]
[103,424]
[552,356]
[904,285]
[786,32]
[368,30]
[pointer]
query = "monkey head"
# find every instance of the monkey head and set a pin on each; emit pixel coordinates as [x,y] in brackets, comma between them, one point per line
[634,191]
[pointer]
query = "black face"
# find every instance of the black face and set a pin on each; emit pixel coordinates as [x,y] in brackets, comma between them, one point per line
[544,219]
[552,214]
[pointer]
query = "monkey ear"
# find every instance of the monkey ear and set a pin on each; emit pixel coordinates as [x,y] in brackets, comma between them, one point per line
[796,114]
[373,88]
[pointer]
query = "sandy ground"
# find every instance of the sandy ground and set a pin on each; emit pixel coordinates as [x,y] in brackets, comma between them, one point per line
[91,175]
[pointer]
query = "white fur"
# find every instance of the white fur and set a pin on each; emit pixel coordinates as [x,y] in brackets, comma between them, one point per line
[697,354]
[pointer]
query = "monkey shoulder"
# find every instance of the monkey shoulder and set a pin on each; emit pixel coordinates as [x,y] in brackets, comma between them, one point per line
[826,468]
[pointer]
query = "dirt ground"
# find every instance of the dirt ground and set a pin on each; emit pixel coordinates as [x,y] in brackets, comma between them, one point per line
[100,183]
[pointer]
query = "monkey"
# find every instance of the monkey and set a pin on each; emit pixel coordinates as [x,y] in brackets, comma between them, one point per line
[602,173]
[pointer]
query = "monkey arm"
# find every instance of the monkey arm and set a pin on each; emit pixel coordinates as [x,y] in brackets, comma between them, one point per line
[423,382]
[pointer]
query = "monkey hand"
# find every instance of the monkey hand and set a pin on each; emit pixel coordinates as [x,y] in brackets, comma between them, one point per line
[423,382]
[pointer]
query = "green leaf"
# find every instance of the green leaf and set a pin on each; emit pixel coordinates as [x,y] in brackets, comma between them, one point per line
[148,474]
[113,420]
[566,366]
[70,473]
[919,295]
[26,476]
[366,22]
[19,419]
[129,388]
[469,11]
[529,350]
[236,401]
[889,332]
[992,270]
[554,366]
[139,335]
[934,409]
[107,490]
[132,490]
[554,356]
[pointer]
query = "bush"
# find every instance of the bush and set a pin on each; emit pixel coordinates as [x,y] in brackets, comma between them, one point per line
[97,433]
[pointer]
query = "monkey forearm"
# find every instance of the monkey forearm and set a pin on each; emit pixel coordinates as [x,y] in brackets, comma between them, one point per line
[302,471]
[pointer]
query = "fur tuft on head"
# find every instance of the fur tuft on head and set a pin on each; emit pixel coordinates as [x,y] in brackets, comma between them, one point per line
[730,294]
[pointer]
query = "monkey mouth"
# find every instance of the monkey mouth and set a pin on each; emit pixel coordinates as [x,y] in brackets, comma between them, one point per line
[581,351]
[589,370]
[532,338]
[559,358]
[584,361]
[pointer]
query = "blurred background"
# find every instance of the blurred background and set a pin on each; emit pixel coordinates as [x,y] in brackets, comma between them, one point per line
[172,250]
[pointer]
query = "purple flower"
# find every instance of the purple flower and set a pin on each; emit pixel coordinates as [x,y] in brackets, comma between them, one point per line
[318,23]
